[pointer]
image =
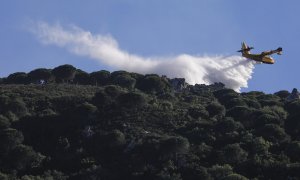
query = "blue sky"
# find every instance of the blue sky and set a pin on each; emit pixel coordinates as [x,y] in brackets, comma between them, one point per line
[158,28]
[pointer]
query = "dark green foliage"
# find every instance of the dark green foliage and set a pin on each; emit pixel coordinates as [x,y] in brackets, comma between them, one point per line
[125,81]
[123,125]
[282,94]
[273,133]
[23,158]
[9,138]
[64,73]
[153,84]
[215,109]
[175,145]
[38,75]
[242,114]
[198,112]
[235,177]
[81,77]
[4,122]
[232,154]
[115,138]
[17,78]
[220,171]
[100,77]
[228,125]
[132,99]
[293,150]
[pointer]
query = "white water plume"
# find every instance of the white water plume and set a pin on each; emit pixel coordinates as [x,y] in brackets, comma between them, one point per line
[233,71]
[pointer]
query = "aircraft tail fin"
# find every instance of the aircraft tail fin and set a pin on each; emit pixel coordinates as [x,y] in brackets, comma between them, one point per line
[279,50]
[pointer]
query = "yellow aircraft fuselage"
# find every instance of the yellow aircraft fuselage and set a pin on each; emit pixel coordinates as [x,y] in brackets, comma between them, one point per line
[263,57]
[259,58]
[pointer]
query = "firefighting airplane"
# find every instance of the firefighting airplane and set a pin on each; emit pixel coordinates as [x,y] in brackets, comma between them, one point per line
[263,57]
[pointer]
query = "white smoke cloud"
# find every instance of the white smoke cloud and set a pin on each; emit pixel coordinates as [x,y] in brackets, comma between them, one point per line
[233,71]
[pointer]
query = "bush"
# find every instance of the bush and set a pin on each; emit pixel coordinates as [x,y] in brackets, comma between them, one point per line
[81,77]
[273,133]
[293,150]
[198,112]
[282,94]
[242,114]
[175,145]
[232,154]
[220,171]
[24,158]
[125,81]
[17,78]
[228,125]
[131,100]
[9,138]
[153,84]
[215,109]
[64,73]
[235,177]
[4,122]
[38,75]
[100,77]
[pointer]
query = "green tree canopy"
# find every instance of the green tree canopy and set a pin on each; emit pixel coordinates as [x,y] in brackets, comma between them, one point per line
[64,73]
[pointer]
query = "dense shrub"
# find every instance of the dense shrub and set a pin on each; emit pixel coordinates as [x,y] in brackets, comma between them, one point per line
[123,125]
[39,75]
[17,78]
[153,84]
[64,73]
[232,154]
[100,77]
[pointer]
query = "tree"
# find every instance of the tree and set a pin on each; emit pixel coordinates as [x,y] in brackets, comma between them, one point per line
[293,150]
[292,125]
[18,107]
[215,109]
[235,177]
[64,73]
[9,139]
[17,78]
[198,112]
[132,99]
[220,171]
[125,81]
[242,114]
[260,146]
[282,94]
[153,84]
[176,144]
[81,77]
[4,122]
[24,158]
[232,154]
[100,78]
[273,133]
[38,75]
[228,125]
[115,138]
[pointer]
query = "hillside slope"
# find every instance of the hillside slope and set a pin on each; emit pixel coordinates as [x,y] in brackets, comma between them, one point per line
[124,125]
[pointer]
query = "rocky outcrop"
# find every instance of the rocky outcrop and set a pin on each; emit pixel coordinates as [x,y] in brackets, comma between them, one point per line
[295,95]
[178,84]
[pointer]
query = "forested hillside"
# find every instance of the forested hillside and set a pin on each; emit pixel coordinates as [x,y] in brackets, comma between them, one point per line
[64,123]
